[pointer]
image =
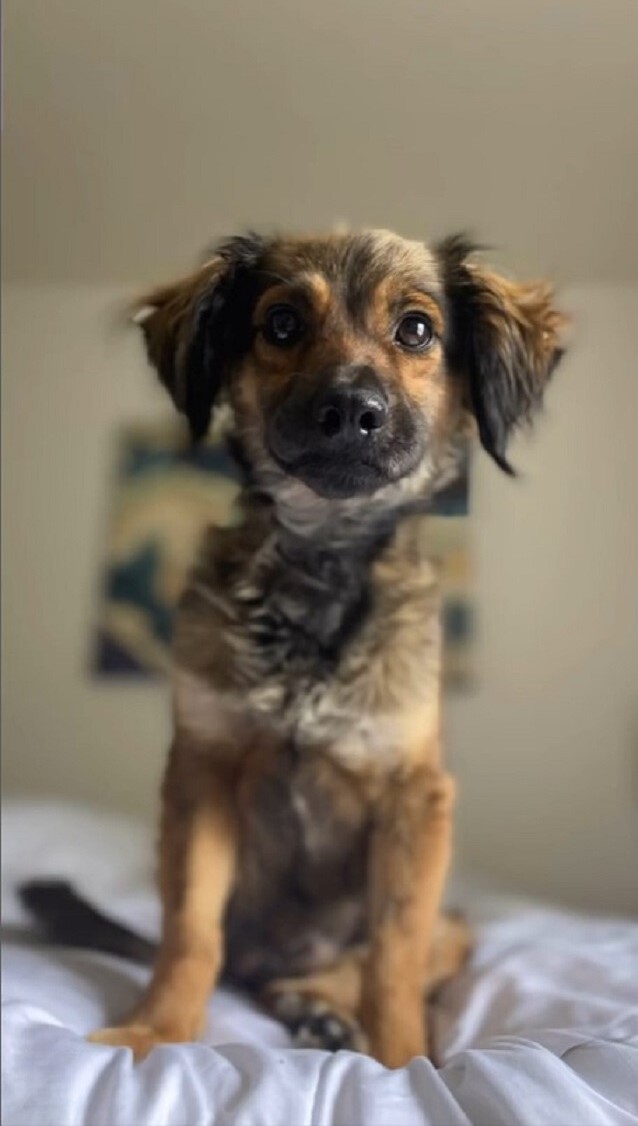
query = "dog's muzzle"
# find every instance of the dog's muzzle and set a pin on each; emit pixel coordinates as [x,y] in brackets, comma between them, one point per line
[338,433]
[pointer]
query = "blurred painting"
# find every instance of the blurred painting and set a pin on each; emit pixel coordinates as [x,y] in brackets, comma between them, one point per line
[163,495]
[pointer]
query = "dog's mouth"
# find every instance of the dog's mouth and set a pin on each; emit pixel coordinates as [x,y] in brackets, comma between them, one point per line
[338,475]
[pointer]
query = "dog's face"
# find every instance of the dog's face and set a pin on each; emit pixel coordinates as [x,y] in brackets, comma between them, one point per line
[344,385]
[356,364]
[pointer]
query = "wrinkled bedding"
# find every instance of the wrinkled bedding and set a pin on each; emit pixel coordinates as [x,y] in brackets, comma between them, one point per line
[542,1027]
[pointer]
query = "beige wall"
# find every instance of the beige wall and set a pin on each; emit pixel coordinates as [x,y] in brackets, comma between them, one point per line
[546,749]
[135,132]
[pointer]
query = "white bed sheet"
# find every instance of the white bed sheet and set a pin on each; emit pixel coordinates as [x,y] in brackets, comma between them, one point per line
[542,1028]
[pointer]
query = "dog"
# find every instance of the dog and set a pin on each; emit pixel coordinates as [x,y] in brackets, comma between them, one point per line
[306,827]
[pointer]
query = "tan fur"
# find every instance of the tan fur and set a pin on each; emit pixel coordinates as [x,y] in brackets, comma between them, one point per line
[342,984]
[307,819]
[199,843]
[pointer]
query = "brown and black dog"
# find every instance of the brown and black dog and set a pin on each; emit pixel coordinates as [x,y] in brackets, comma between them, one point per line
[307,815]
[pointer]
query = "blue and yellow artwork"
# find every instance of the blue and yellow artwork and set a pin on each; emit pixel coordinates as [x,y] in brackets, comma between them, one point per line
[164,495]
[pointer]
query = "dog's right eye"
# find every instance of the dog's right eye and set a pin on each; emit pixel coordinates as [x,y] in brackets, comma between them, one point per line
[282,326]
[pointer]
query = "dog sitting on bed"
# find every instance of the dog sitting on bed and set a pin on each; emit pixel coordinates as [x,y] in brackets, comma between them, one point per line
[307,815]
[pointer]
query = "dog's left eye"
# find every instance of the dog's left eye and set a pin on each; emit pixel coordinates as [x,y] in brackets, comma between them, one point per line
[283,326]
[414,331]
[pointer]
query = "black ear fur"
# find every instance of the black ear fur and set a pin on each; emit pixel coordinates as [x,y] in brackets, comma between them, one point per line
[192,328]
[504,337]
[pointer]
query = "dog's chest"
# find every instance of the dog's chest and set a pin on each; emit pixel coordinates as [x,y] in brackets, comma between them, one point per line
[301,608]
[294,629]
[315,650]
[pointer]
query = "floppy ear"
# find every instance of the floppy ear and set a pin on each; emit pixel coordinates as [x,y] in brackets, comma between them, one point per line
[189,326]
[504,337]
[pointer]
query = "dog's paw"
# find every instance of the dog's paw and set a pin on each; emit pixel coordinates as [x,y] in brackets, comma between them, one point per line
[313,1023]
[140,1038]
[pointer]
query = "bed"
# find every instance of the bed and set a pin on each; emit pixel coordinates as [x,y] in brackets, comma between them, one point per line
[542,1027]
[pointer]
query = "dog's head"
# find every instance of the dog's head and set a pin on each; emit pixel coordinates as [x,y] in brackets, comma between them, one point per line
[356,364]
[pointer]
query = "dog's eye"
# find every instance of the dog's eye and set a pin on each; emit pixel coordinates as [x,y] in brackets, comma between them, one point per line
[414,331]
[283,326]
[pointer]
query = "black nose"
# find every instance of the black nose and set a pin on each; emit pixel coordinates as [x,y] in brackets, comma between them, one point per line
[350,412]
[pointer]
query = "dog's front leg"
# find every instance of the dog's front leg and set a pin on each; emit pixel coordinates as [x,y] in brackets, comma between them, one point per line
[198,849]
[409,860]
